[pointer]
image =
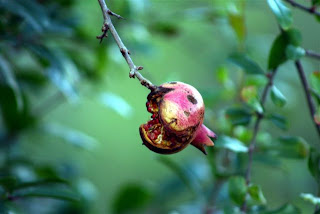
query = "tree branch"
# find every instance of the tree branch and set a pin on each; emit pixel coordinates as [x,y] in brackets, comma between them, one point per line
[108,26]
[306,89]
[313,54]
[311,10]
[256,127]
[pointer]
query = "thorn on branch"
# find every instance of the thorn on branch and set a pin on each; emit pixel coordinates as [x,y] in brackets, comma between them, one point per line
[139,68]
[123,52]
[114,14]
[132,74]
[104,34]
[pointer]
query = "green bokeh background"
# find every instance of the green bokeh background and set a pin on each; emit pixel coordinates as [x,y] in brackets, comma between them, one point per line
[191,56]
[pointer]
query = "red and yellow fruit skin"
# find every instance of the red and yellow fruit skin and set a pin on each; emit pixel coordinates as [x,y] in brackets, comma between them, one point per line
[178,113]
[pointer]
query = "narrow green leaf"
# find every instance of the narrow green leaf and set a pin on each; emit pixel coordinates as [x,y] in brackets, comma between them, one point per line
[314,163]
[256,105]
[316,116]
[248,93]
[277,97]
[74,137]
[277,54]
[131,197]
[293,147]
[8,182]
[239,116]
[256,80]
[282,12]
[9,78]
[60,193]
[294,52]
[185,176]
[285,209]
[166,28]
[247,64]
[222,75]
[230,143]
[237,22]
[293,36]
[315,81]
[278,120]
[242,133]
[256,194]
[237,189]
[310,198]
[315,2]
[116,103]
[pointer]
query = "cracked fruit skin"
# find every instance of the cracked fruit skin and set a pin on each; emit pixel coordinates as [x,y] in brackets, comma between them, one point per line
[177,119]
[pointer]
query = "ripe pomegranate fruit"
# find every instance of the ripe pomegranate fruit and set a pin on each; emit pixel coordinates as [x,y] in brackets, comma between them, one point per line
[177,115]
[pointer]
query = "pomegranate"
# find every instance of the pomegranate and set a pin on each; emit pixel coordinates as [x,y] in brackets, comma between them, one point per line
[177,115]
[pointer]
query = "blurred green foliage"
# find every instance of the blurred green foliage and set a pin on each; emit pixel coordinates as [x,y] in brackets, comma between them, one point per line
[58,84]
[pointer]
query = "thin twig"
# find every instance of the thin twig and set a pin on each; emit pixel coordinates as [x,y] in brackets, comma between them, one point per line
[311,10]
[312,54]
[108,26]
[256,130]
[306,89]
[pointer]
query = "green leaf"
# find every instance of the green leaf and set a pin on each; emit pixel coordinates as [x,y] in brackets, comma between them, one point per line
[239,116]
[315,2]
[32,78]
[9,78]
[131,197]
[8,183]
[61,70]
[314,163]
[185,176]
[278,120]
[277,97]
[310,198]
[256,105]
[237,189]
[247,64]
[237,22]
[282,12]
[293,147]
[74,137]
[230,143]
[223,76]
[315,81]
[294,52]
[293,36]
[55,192]
[256,80]
[242,133]
[167,28]
[13,118]
[256,194]
[116,103]
[248,93]
[316,116]
[285,209]
[277,54]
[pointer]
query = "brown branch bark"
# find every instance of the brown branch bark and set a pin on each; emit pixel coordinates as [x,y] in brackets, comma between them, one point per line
[108,26]
[311,10]
[306,88]
[256,130]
